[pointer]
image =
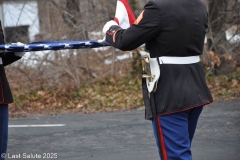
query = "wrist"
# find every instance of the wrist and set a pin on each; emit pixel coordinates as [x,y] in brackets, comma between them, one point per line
[108,25]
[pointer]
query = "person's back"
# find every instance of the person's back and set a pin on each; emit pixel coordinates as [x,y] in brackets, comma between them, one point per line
[179,31]
[183,25]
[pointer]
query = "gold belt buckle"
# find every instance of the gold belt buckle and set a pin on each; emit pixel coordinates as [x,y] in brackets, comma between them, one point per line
[147,69]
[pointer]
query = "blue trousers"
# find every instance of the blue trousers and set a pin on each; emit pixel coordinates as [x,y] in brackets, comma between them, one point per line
[3,128]
[176,133]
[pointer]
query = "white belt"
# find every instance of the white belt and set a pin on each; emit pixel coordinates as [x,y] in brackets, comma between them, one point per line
[1,61]
[155,68]
[179,60]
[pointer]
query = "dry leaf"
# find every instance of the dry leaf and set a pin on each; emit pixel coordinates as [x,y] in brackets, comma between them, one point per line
[234,83]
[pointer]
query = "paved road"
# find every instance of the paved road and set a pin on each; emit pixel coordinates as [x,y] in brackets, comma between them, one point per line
[122,136]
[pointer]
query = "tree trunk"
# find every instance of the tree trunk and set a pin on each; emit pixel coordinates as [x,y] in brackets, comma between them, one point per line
[216,37]
[217,41]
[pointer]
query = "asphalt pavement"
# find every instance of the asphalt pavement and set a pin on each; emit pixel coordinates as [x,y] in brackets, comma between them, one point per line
[120,136]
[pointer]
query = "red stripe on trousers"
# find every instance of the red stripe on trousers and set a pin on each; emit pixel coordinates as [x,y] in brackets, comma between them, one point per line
[161,140]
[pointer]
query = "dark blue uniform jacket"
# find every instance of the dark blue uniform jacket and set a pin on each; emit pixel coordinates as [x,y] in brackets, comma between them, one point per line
[7,58]
[171,28]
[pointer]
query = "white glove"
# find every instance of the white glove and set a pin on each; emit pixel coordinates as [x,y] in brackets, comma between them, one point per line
[108,25]
[19,54]
[102,40]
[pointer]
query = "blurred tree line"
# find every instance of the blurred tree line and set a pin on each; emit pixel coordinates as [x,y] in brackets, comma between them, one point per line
[79,20]
[70,70]
[224,29]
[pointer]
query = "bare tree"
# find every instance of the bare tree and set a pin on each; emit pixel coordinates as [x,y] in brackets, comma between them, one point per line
[79,20]
[223,20]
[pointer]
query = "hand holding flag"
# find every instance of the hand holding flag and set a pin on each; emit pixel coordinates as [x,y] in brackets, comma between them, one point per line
[124,17]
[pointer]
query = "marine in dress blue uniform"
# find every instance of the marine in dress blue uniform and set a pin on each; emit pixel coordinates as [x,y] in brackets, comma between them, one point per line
[5,93]
[174,29]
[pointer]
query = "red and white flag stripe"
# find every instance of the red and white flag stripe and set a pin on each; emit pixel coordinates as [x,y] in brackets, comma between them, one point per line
[124,15]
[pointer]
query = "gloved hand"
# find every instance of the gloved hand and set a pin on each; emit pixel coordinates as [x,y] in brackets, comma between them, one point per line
[102,40]
[19,54]
[108,25]
[105,29]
